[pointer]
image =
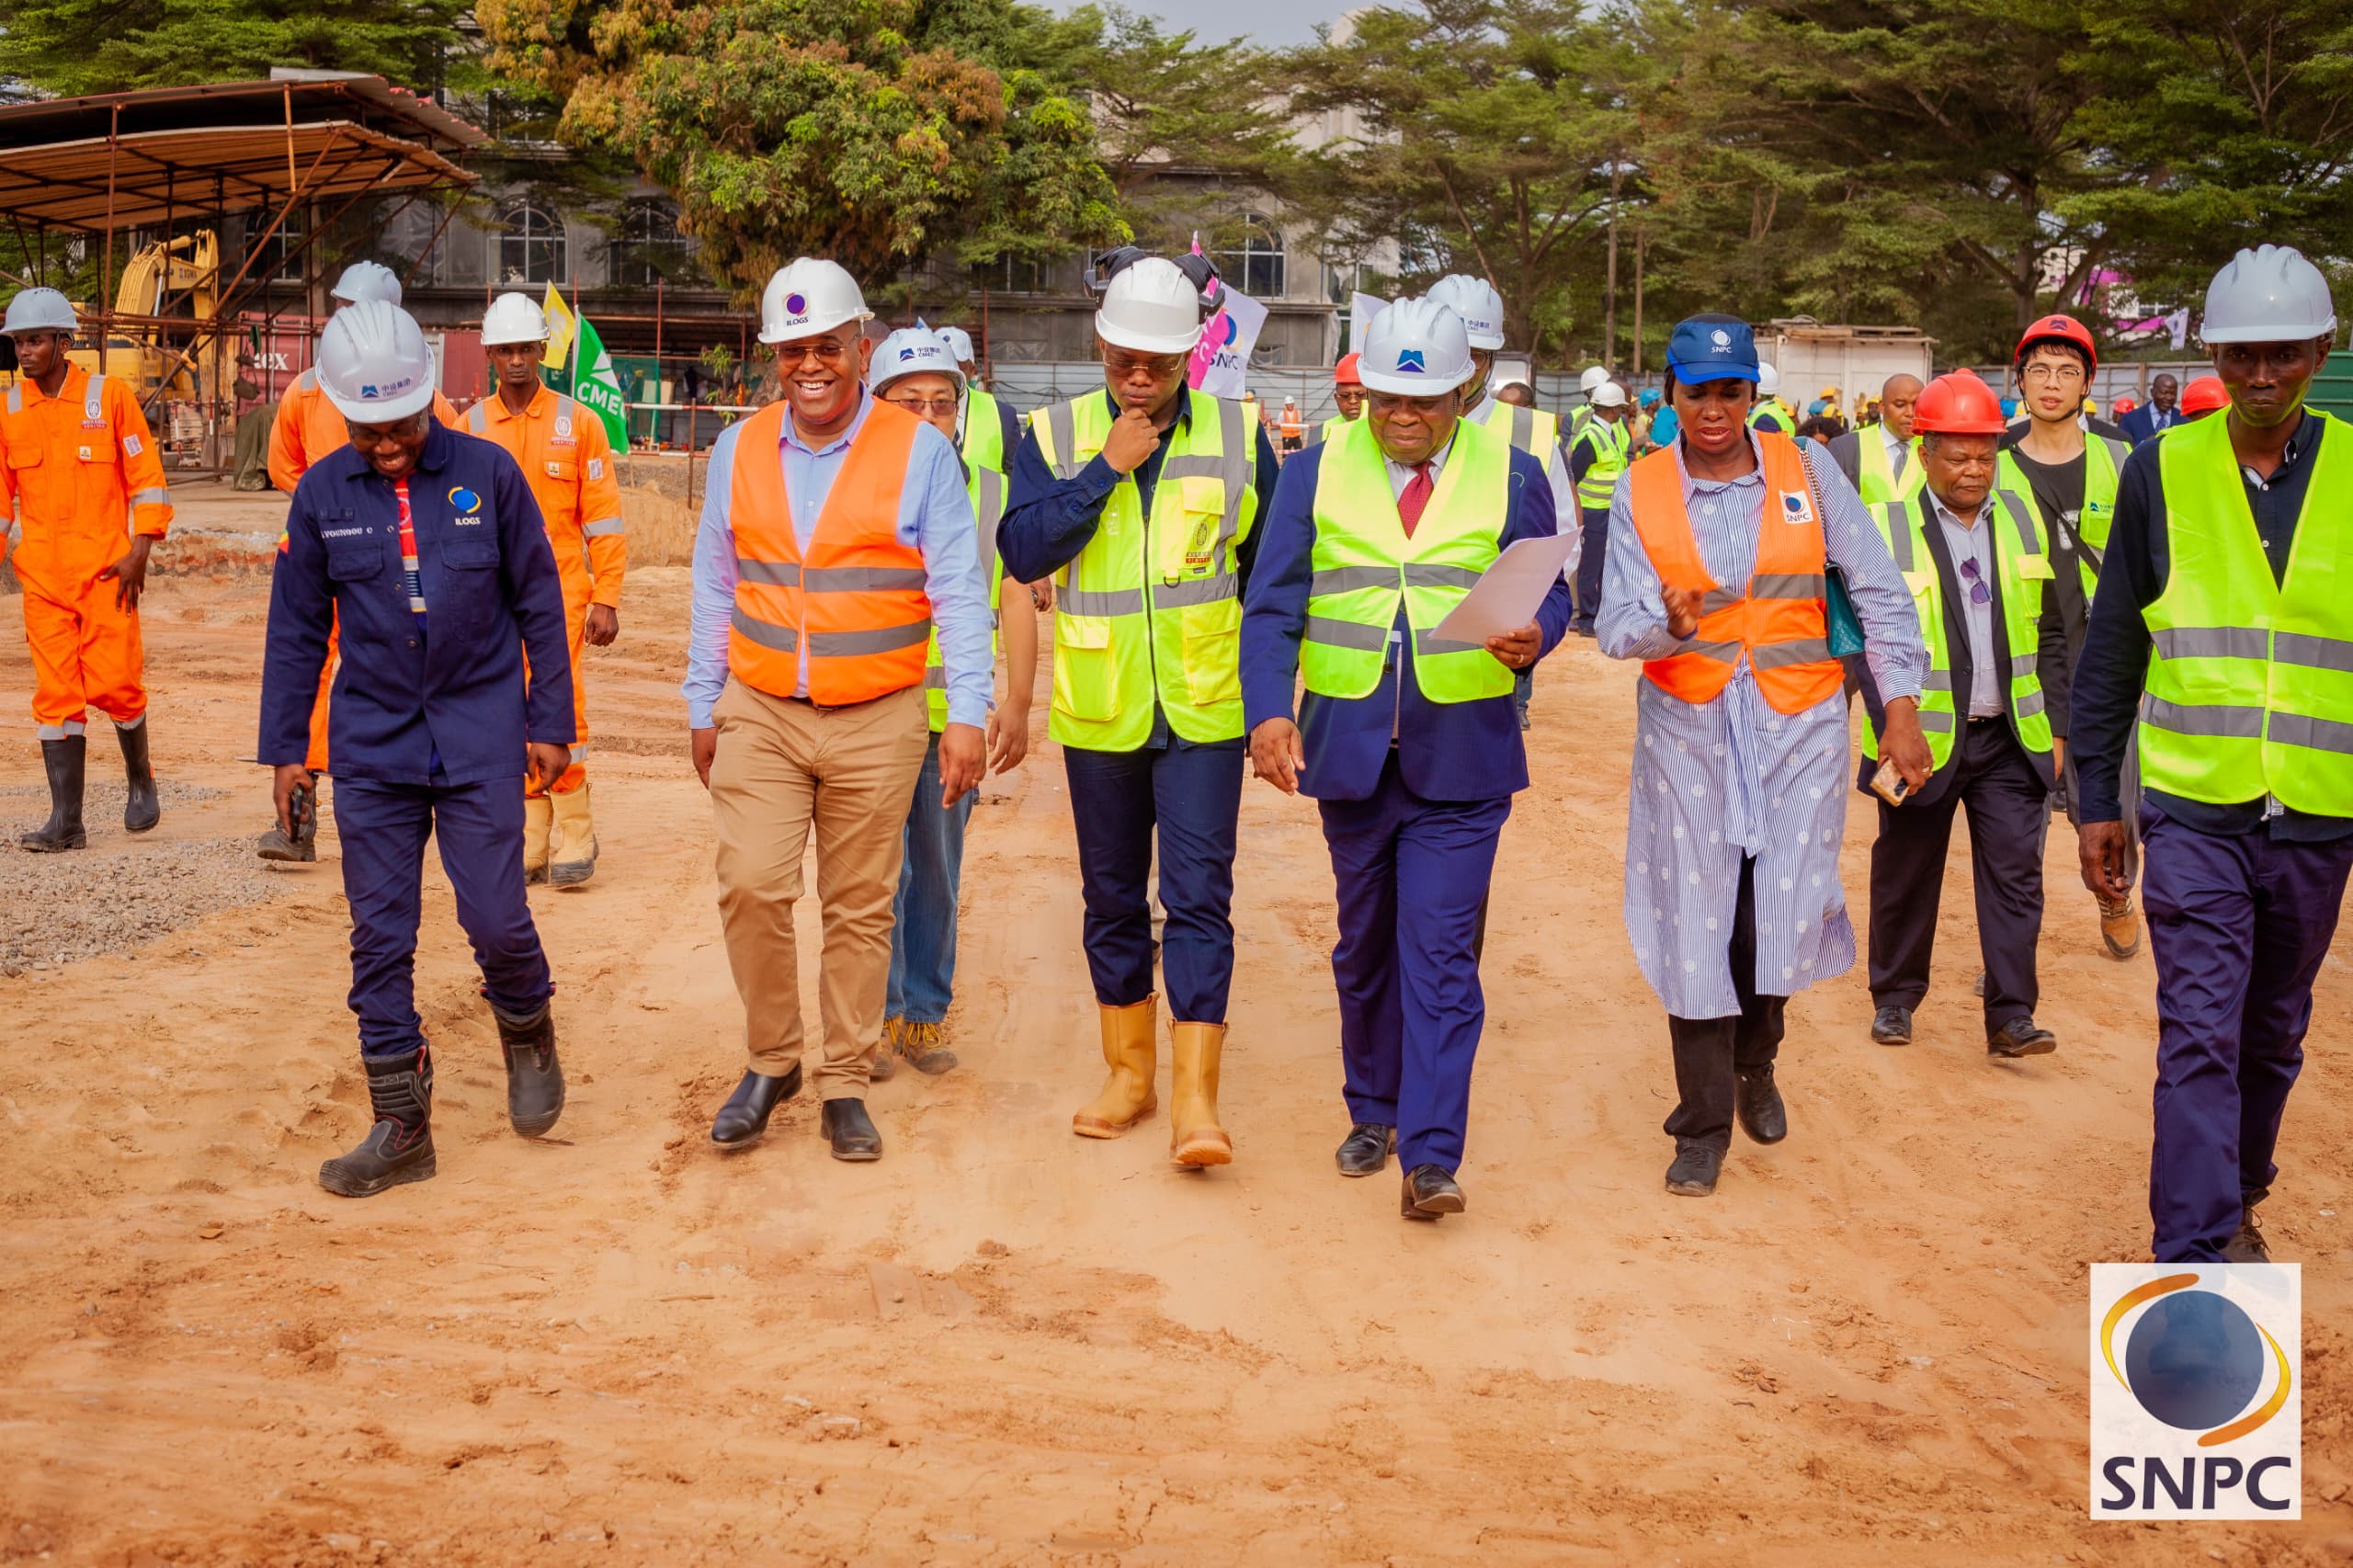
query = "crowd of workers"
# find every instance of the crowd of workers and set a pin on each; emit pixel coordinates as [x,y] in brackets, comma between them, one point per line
[2138,624]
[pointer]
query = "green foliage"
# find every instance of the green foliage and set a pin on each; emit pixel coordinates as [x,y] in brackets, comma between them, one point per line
[63,48]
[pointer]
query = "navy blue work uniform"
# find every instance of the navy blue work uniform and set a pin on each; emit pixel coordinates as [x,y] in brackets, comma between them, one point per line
[1414,796]
[1191,791]
[2243,900]
[429,715]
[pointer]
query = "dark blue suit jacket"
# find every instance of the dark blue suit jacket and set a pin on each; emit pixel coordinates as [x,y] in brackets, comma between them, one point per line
[1446,751]
[406,696]
[2140,425]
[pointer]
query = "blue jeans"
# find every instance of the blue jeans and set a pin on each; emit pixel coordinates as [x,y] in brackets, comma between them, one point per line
[922,916]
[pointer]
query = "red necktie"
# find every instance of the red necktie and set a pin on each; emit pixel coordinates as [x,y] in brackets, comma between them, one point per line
[1416,496]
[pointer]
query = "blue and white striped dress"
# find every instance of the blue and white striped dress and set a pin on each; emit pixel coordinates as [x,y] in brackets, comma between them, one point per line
[1717,780]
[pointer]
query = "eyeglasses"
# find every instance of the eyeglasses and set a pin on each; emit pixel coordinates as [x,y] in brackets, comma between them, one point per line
[1156,366]
[2052,375]
[1979,594]
[924,405]
[826,352]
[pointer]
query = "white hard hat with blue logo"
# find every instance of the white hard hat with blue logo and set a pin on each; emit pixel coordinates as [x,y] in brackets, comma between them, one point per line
[374,364]
[913,351]
[1476,302]
[1416,349]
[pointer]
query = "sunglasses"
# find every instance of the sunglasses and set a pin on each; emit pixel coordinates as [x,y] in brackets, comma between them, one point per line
[1979,594]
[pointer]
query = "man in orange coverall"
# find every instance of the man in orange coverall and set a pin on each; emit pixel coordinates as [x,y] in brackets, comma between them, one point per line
[563,452]
[77,466]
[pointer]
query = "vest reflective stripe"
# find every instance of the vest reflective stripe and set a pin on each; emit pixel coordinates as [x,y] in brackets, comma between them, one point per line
[987,488]
[2103,459]
[1785,636]
[1365,570]
[855,600]
[1150,612]
[2250,683]
[1613,448]
[1531,430]
[1876,479]
[478,418]
[983,444]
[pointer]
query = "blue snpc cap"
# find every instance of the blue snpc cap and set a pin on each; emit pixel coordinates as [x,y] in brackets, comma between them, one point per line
[1704,350]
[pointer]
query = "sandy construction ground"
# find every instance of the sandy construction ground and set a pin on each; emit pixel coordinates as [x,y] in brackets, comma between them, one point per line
[1002,1344]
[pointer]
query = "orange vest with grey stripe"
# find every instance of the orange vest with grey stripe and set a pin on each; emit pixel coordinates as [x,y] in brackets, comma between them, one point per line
[1781,619]
[855,599]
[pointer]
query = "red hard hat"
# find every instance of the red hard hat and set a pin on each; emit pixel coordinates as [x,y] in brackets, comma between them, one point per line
[1345,373]
[1957,404]
[2205,395]
[2123,405]
[2058,329]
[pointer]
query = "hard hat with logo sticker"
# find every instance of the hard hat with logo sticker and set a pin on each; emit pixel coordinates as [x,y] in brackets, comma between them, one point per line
[1476,302]
[2058,329]
[39,310]
[374,364]
[367,280]
[1151,307]
[1957,404]
[807,296]
[2269,294]
[914,351]
[1416,349]
[959,343]
[514,318]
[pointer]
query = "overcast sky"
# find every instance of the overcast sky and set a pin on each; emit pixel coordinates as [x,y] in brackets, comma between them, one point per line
[1262,21]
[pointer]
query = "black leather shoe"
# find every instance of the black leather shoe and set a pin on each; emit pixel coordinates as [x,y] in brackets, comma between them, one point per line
[745,1116]
[1365,1151]
[850,1130]
[2022,1036]
[1429,1192]
[534,1077]
[1891,1026]
[1696,1167]
[1759,1105]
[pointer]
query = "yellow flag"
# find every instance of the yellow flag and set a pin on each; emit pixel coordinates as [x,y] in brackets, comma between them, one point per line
[560,330]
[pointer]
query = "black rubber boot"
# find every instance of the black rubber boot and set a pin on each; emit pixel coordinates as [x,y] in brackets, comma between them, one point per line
[66,762]
[534,1077]
[398,1147]
[142,808]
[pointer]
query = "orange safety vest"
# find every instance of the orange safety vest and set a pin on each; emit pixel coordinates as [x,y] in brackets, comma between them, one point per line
[856,596]
[1781,622]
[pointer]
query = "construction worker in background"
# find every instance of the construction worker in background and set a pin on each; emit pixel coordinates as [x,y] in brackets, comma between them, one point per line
[1660,424]
[83,487]
[1294,427]
[1348,392]
[1881,460]
[918,372]
[1830,409]
[568,460]
[1405,741]
[987,428]
[2220,638]
[1770,414]
[2205,395]
[307,428]
[1144,501]
[1718,548]
[1976,563]
[1599,454]
[1517,392]
[2070,476]
[836,536]
[1590,380]
[2146,422]
[425,546]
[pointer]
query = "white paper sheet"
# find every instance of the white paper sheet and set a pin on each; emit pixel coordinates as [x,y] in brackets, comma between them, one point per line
[1506,597]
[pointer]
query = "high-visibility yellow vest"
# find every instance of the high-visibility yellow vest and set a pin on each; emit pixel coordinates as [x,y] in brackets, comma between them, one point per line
[2103,459]
[1613,448]
[2022,562]
[1786,419]
[987,488]
[1875,477]
[2250,688]
[983,444]
[1532,431]
[1151,610]
[1329,428]
[1365,567]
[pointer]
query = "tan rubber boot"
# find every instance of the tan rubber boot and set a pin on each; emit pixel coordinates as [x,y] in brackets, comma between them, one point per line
[539,819]
[572,859]
[1131,1042]
[1194,1136]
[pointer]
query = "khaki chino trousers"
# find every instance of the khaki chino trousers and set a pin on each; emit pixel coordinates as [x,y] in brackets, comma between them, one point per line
[783,767]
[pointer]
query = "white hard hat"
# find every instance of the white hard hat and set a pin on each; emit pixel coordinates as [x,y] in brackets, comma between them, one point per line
[373,363]
[1769,379]
[2269,294]
[1476,302]
[1594,376]
[367,280]
[39,310]
[959,343]
[1609,395]
[807,296]
[1151,308]
[1416,349]
[914,351]
[514,318]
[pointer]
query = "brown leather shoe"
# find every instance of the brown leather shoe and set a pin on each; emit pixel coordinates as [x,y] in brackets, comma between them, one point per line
[2120,928]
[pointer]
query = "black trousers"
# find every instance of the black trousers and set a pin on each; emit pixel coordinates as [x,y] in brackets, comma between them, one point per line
[2008,806]
[1711,1053]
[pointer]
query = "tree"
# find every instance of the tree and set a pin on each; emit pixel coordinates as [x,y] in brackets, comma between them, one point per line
[873,131]
[64,48]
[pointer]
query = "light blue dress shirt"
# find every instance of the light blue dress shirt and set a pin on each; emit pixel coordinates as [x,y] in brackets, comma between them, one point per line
[934,518]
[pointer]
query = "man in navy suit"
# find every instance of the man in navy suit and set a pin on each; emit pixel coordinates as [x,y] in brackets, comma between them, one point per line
[1409,742]
[2159,414]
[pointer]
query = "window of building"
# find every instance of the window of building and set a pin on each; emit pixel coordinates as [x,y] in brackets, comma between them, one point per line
[649,247]
[413,233]
[531,247]
[1251,257]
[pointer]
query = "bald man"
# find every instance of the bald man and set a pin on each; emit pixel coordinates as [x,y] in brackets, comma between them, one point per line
[1882,462]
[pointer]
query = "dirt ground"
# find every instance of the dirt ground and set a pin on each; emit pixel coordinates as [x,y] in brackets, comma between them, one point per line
[1002,1344]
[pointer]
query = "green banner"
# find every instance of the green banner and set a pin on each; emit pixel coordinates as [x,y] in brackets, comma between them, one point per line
[595,386]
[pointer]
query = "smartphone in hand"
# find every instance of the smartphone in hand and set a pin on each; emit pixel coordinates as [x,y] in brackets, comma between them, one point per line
[1889,784]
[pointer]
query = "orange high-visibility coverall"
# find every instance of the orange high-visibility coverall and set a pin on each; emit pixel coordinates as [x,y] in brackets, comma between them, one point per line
[79,474]
[307,428]
[564,454]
